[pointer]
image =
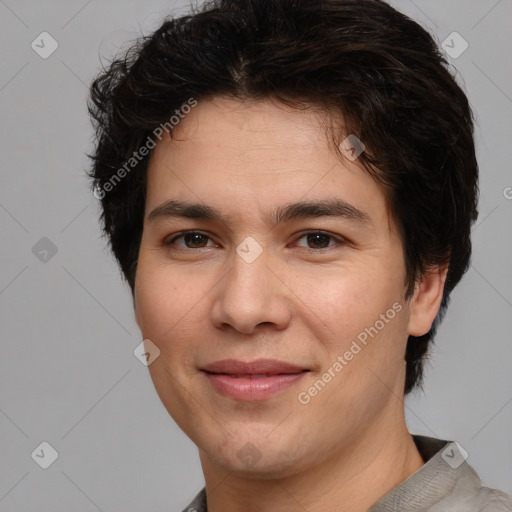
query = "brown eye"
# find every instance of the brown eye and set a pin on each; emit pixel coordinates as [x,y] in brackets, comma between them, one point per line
[320,240]
[192,240]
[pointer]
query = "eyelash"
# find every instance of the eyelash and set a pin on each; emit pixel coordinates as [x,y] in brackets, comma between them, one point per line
[341,241]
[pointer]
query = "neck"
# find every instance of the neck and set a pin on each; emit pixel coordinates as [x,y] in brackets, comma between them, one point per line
[353,477]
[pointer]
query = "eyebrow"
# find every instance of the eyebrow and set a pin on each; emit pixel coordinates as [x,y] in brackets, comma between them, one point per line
[300,210]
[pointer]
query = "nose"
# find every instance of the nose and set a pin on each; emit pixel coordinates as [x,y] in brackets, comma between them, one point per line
[251,294]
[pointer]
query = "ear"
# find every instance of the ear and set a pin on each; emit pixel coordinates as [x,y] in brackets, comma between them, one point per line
[425,302]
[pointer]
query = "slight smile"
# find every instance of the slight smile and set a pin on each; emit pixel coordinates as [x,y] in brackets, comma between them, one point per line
[254,380]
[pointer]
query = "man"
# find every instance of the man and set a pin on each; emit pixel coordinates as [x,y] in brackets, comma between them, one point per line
[289,187]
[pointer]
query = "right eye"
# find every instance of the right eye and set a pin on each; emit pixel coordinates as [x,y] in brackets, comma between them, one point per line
[191,239]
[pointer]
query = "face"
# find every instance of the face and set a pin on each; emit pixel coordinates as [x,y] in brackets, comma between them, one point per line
[281,325]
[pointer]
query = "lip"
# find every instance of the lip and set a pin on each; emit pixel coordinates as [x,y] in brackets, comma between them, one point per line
[252,380]
[258,366]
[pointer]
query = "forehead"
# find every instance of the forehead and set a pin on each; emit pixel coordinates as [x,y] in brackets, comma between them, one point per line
[240,156]
[263,128]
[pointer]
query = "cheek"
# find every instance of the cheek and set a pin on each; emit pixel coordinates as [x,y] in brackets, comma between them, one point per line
[168,308]
[165,299]
[174,306]
[366,317]
[347,299]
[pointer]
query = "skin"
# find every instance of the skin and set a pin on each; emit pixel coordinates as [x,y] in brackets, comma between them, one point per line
[302,301]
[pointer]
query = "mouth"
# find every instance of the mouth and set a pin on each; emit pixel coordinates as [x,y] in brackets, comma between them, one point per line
[254,380]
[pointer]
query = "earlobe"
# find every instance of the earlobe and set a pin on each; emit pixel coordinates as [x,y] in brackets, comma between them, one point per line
[427,297]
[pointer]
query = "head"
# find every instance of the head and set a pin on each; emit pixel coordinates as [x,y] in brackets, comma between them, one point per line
[328,141]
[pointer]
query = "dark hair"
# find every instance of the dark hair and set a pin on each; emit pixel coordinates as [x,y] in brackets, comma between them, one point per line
[360,59]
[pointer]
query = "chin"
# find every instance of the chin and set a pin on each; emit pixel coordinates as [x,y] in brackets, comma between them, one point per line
[267,468]
[256,457]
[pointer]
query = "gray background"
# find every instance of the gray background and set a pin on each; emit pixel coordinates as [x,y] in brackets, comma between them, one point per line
[68,373]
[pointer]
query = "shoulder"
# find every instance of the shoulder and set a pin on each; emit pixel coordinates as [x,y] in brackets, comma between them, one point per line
[445,483]
[485,500]
[475,497]
[466,492]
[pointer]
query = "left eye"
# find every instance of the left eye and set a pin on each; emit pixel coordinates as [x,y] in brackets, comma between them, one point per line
[319,239]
